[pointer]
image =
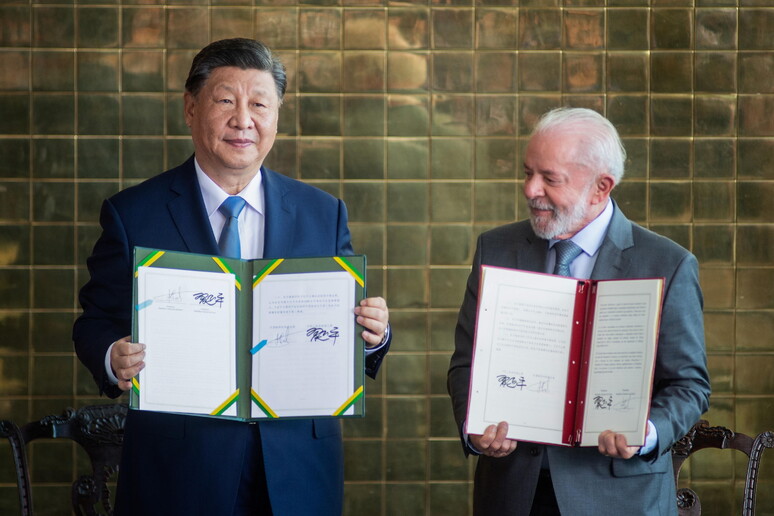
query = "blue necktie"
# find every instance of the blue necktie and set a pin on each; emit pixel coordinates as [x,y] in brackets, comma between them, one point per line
[566,252]
[229,237]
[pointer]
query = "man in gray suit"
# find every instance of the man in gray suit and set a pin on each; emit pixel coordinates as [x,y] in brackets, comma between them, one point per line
[573,161]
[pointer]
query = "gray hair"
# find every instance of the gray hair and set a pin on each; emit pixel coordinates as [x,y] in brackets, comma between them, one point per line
[601,148]
[240,52]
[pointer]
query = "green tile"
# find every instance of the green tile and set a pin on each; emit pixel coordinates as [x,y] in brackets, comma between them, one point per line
[364,159]
[142,71]
[754,201]
[496,202]
[407,244]
[405,460]
[406,374]
[16,158]
[53,113]
[408,115]
[407,72]
[716,29]
[412,327]
[319,159]
[53,202]
[451,202]
[15,328]
[364,116]
[175,120]
[97,71]
[451,158]
[97,158]
[753,29]
[178,151]
[753,115]
[48,330]
[361,498]
[98,114]
[16,108]
[442,422]
[438,368]
[53,26]
[142,114]
[187,26]
[14,201]
[15,372]
[98,27]
[365,201]
[407,288]
[363,460]
[407,202]
[407,159]
[756,379]
[405,500]
[53,158]
[53,245]
[90,198]
[142,158]
[451,245]
[448,463]
[52,288]
[369,426]
[142,27]
[442,325]
[319,116]
[368,239]
[450,499]
[447,287]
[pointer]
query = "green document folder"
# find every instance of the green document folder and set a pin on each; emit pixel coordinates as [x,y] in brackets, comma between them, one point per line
[248,339]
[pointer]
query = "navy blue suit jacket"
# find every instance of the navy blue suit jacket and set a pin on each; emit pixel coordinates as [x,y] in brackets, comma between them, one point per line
[191,465]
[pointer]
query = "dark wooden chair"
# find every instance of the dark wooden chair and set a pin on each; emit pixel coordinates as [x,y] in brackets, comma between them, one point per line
[98,429]
[704,436]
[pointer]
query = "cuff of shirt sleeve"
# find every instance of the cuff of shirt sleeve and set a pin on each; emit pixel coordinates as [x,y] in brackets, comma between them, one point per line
[109,370]
[651,440]
[385,338]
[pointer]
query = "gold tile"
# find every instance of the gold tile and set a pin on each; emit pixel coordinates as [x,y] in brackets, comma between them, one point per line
[754,157]
[408,115]
[713,201]
[540,72]
[319,72]
[719,331]
[755,29]
[178,65]
[671,29]
[53,26]
[670,72]
[407,287]
[407,244]
[407,158]
[496,158]
[715,72]
[451,202]
[716,29]
[451,245]
[584,30]
[496,28]
[320,116]
[670,158]
[52,71]
[755,244]
[53,113]
[714,245]
[636,165]
[629,114]
[363,72]
[98,27]
[451,158]
[532,108]
[496,202]
[453,71]
[364,116]
[97,71]
[757,378]
[446,286]
[715,116]
[718,287]
[670,201]
[452,28]
[671,116]
[627,29]
[277,28]
[15,27]
[363,159]
[496,115]
[232,23]
[749,294]
[755,72]
[319,159]
[407,201]
[405,461]
[755,115]
[142,27]
[142,71]
[540,29]
[714,158]
[721,373]
[582,73]
[407,72]
[407,28]
[749,328]
[453,115]
[496,72]
[320,29]
[365,30]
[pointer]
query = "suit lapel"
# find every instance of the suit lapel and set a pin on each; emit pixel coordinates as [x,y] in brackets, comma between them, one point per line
[612,261]
[186,207]
[280,216]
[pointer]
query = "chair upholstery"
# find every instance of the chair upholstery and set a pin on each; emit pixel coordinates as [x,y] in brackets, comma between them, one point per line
[703,436]
[98,429]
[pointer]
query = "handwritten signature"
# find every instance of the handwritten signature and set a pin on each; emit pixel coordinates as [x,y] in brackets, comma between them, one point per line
[209,299]
[322,335]
[619,403]
[520,383]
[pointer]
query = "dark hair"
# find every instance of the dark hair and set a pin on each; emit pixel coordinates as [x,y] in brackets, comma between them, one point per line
[240,52]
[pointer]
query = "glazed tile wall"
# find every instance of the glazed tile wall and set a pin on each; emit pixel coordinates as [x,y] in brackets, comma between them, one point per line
[415,113]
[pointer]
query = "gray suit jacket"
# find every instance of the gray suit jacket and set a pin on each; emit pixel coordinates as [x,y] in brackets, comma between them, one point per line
[586,482]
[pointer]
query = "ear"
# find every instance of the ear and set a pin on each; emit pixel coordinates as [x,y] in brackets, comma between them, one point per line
[603,185]
[189,103]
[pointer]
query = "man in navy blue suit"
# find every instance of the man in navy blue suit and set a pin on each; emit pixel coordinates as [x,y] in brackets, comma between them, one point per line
[175,464]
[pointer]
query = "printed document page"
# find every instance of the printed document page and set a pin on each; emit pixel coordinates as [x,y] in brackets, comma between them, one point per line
[187,320]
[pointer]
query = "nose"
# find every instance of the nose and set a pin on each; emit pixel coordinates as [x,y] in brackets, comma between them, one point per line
[533,186]
[242,117]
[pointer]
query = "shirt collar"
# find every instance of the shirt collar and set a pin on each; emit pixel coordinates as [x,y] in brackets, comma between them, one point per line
[213,195]
[590,237]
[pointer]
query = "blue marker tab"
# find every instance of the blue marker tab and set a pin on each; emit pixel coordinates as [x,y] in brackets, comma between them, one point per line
[258,347]
[144,304]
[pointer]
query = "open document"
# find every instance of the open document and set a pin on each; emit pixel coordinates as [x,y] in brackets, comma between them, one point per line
[562,359]
[248,339]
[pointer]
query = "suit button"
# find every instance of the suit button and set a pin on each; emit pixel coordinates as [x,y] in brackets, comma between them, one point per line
[534,451]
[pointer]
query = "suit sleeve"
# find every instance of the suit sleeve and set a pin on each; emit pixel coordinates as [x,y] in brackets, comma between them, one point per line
[681,386]
[373,361]
[458,377]
[106,299]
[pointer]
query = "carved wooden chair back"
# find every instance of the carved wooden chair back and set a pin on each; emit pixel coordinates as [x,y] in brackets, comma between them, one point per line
[98,429]
[703,436]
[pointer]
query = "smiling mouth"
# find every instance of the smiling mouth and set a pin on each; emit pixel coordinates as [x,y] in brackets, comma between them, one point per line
[239,142]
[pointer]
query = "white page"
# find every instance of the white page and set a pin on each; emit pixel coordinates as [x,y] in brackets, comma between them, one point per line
[623,346]
[521,354]
[306,365]
[187,321]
